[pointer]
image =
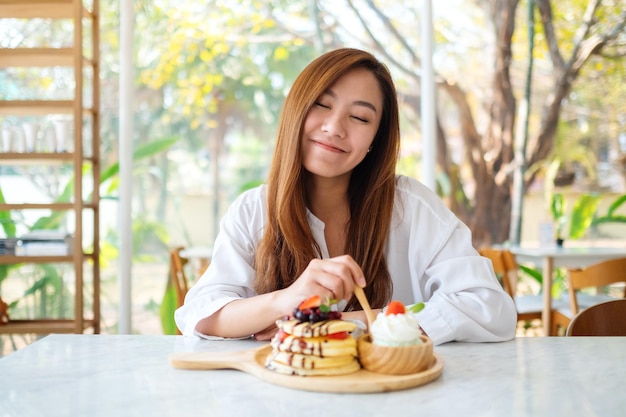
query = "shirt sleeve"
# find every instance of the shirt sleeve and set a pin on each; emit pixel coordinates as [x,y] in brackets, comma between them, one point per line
[463,299]
[231,273]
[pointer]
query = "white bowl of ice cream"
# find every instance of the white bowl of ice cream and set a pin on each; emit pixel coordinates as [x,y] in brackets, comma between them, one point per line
[395,345]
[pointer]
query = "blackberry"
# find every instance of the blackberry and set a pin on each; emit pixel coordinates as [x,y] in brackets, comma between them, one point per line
[314,315]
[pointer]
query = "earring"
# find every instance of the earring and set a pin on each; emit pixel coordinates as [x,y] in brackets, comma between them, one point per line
[369,149]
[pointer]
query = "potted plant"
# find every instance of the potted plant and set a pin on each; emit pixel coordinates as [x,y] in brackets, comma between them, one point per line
[557,208]
[580,218]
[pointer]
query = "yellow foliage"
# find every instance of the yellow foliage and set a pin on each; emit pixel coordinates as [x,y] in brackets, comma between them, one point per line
[217,79]
[207,88]
[168,69]
[46,82]
[221,48]
[281,53]
[206,55]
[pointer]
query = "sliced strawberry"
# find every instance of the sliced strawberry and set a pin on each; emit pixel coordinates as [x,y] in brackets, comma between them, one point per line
[340,335]
[395,307]
[311,302]
[282,335]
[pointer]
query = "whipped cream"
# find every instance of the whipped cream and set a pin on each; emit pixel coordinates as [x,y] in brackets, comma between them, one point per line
[396,330]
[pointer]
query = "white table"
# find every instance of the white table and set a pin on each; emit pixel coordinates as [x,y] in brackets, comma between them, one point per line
[200,256]
[549,258]
[110,375]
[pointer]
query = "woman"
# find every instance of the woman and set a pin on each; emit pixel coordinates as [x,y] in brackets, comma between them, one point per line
[334,215]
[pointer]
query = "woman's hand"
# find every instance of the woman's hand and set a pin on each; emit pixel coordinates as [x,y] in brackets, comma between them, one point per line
[334,278]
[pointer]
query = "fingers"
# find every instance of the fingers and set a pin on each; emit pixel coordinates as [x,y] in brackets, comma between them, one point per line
[352,267]
[335,277]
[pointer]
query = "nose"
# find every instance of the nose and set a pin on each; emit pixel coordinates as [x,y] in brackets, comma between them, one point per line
[334,125]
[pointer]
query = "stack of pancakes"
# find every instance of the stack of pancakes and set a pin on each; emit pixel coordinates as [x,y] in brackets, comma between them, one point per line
[307,349]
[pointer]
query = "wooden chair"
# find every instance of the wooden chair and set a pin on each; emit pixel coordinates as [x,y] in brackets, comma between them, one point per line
[529,307]
[178,276]
[598,276]
[603,319]
[504,266]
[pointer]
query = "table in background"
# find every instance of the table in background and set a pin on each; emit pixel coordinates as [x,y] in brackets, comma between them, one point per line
[199,256]
[121,375]
[549,258]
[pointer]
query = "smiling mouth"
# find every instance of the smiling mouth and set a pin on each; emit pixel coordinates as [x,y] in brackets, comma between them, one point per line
[328,146]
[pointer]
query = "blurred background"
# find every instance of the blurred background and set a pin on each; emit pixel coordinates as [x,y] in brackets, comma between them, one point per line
[209,81]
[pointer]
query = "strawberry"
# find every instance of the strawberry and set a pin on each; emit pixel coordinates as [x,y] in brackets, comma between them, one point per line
[282,335]
[395,307]
[339,336]
[311,302]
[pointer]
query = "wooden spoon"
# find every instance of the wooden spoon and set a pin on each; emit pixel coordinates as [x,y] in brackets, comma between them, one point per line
[360,295]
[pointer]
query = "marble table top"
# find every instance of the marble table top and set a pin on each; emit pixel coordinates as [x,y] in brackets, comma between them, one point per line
[130,375]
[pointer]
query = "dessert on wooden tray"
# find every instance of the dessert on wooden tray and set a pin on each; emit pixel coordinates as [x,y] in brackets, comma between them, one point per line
[314,341]
[315,350]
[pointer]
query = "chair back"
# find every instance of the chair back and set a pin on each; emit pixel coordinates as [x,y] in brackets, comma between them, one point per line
[603,319]
[504,265]
[597,275]
[177,272]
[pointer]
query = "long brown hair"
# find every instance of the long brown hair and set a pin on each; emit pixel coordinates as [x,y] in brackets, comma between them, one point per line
[288,245]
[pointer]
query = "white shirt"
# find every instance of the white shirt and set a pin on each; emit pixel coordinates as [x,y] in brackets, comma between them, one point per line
[429,255]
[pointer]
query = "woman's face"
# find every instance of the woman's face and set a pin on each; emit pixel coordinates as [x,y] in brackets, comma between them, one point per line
[341,125]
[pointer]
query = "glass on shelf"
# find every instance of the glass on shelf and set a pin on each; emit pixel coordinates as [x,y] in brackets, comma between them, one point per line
[8,135]
[31,131]
[62,130]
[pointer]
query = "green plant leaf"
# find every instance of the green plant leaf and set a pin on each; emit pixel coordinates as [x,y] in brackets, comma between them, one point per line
[417,307]
[8,225]
[144,151]
[167,308]
[615,205]
[533,273]
[557,206]
[582,215]
[609,219]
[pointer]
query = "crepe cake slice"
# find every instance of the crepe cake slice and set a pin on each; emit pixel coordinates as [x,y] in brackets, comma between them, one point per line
[312,344]
[306,365]
[334,354]
[321,328]
[323,346]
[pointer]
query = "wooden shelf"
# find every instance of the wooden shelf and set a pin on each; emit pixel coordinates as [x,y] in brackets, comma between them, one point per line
[29,158]
[14,259]
[35,107]
[37,206]
[39,107]
[36,59]
[47,326]
[39,57]
[39,9]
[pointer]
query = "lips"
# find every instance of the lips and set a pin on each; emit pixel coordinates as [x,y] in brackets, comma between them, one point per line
[327,146]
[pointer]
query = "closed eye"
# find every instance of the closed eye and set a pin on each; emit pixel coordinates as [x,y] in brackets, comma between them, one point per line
[319,104]
[360,119]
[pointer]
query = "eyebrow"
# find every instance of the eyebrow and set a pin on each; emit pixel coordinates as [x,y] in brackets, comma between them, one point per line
[356,103]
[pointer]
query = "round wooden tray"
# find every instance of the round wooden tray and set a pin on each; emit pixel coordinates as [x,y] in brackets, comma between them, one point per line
[253,362]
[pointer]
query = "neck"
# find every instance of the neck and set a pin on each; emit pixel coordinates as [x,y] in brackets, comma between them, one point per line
[328,197]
